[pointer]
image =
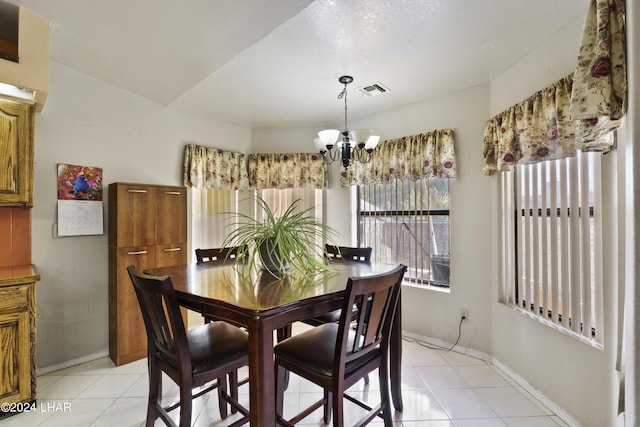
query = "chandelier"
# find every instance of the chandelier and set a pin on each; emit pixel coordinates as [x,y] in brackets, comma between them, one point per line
[355,144]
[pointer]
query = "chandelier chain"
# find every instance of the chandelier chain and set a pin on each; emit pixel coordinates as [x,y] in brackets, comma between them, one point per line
[344,92]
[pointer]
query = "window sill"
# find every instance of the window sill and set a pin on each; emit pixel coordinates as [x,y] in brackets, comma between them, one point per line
[590,342]
[427,287]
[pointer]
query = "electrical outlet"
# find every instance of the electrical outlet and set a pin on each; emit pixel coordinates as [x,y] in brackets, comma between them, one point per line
[464,314]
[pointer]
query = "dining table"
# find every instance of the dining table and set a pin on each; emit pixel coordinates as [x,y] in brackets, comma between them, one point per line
[263,304]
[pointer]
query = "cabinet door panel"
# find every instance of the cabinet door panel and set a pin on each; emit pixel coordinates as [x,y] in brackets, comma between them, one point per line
[135,215]
[171,215]
[167,255]
[16,154]
[129,337]
[15,357]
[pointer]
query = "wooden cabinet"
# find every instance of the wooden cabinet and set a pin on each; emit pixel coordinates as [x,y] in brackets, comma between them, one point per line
[17,337]
[16,154]
[147,228]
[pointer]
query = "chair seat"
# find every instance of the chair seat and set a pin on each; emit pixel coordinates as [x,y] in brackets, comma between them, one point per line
[315,350]
[216,344]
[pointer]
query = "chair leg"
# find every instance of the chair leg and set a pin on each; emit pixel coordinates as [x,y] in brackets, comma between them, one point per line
[281,335]
[233,388]
[280,377]
[222,403]
[338,409]
[328,407]
[155,391]
[186,403]
[385,402]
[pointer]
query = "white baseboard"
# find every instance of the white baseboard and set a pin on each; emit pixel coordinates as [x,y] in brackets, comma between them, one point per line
[74,362]
[557,409]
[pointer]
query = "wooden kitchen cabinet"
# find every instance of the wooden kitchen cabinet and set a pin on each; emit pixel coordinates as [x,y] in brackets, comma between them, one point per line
[147,229]
[16,153]
[17,338]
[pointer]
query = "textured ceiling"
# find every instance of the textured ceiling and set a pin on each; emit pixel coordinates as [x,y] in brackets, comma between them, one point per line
[276,62]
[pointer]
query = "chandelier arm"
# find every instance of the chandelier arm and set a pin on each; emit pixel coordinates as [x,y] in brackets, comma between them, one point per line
[365,156]
[333,155]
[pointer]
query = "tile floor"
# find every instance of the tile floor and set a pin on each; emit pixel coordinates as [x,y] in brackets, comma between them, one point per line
[440,389]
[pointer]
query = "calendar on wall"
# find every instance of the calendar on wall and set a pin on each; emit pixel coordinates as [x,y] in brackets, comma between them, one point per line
[80,206]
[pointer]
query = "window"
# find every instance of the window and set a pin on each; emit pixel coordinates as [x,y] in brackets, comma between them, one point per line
[280,199]
[209,216]
[408,222]
[210,208]
[555,233]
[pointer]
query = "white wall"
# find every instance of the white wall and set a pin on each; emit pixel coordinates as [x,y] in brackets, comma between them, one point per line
[631,152]
[88,122]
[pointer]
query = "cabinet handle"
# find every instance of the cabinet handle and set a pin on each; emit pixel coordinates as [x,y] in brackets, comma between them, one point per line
[172,249]
[175,193]
[137,253]
[136,191]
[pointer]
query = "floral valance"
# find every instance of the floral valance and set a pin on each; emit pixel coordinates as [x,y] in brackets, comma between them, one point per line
[600,81]
[578,112]
[410,157]
[206,167]
[287,170]
[540,128]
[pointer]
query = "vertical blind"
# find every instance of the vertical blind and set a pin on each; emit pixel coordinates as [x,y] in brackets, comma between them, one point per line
[210,220]
[557,234]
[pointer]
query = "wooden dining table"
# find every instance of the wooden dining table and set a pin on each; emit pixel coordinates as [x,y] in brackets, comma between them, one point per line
[263,304]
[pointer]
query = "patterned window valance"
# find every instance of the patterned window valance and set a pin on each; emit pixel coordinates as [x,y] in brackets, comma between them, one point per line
[206,167]
[600,82]
[287,170]
[579,112]
[410,157]
[540,128]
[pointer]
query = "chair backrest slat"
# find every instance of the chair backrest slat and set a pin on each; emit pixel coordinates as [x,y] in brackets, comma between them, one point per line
[217,255]
[348,253]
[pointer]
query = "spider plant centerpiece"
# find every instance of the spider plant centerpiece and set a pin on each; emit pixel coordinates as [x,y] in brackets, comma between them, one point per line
[282,243]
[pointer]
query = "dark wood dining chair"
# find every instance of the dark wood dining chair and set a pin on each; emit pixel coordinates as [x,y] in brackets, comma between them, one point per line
[217,255]
[201,356]
[337,355]
[340,254]
[222,256]
[348,253]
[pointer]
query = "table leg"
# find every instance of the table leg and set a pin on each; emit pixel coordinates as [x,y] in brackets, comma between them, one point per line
[261,376]
[395,357]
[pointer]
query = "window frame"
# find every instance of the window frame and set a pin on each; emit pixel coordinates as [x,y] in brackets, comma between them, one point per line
[424,215]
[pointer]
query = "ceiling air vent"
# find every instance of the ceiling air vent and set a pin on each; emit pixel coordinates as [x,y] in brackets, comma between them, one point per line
[373,89]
